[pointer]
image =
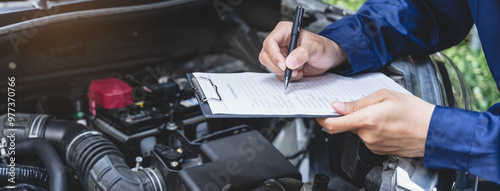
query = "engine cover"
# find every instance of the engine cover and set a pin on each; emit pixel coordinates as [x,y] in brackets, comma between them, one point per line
[243,160]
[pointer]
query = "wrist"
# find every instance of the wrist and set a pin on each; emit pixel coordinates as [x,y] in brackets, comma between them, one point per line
[341,56]
[338,55]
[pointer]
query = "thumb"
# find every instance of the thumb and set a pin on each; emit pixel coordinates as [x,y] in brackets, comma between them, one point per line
[344,123]
[298,57]
[339,107]
[345,108]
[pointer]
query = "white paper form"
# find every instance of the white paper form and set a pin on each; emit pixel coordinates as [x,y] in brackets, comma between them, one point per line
[263,93]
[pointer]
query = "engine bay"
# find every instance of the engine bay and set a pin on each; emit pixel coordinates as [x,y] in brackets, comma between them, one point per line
[103,89]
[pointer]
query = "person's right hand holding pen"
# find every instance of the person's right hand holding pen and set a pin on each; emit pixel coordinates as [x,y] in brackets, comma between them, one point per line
[313,56]
[380,119]
[294,38]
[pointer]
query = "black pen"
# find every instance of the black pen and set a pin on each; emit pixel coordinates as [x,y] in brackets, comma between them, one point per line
[294,37]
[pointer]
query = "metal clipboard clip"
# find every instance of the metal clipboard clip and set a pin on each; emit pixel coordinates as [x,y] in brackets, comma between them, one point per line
[197,89]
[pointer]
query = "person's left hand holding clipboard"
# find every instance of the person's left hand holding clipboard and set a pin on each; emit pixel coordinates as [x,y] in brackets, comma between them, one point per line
[313,56]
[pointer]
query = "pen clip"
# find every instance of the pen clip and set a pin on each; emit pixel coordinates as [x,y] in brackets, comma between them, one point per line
[199,91]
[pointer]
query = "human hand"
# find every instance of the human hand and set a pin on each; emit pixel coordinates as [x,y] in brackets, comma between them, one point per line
[313,56]
[389,123]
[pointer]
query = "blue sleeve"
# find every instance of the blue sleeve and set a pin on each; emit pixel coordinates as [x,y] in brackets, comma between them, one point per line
[382,29]
[465,140]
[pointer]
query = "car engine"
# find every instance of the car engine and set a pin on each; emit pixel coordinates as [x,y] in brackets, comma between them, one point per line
[98,99]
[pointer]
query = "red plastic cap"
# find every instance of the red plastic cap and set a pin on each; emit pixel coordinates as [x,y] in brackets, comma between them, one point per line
[109,93]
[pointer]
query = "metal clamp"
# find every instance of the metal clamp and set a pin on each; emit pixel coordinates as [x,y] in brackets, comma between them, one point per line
[41,4]
[197,89]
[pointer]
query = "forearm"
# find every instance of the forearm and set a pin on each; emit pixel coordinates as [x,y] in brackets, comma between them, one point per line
[381,30]
[465,140]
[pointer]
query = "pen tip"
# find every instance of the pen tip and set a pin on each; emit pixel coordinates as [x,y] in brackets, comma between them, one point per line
[286,84]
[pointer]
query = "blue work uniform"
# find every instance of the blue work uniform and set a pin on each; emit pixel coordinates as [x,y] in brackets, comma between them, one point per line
[381,29]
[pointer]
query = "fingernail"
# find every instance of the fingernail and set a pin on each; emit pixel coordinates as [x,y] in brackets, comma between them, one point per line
[295,73]
[338,105]
[292,62]
[282,66]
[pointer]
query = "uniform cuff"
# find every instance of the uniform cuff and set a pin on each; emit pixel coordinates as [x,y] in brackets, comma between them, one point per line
[449,138]
[359,53]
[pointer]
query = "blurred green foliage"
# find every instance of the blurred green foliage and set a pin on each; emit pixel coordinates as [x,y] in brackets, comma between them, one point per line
[350,4]
[471,62]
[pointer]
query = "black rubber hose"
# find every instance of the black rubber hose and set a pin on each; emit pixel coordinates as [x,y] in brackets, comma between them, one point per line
[24,174]
[61,133]
[24,187]
[48,155]
[96,160]
[101,166]
[87,151]
[320,182]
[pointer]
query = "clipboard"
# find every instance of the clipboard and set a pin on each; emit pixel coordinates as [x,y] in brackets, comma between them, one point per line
[207,111]
[260,95]
[203,100]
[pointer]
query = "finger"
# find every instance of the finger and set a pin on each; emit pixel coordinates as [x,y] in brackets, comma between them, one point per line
[284,51]
[303,53]
[299,75]
[281,78]
[278,37]
[297,57]
[276,58]
[351,122]
[345,108]
[266,61]
[388,150]
[295,72]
